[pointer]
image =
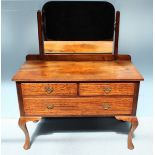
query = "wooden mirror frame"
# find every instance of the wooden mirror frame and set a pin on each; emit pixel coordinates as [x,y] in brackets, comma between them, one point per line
[41,40]
[77,56]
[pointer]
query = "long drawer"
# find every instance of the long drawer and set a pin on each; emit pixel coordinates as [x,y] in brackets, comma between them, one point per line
[86,106]
[94,89]
[49,89]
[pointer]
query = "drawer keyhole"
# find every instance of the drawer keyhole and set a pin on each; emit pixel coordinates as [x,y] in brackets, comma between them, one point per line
[106,106]
[50,106]
[48,90]
[107,90]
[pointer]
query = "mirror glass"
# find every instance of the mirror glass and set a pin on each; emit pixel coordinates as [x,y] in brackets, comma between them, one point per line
[78,47]
[78,27]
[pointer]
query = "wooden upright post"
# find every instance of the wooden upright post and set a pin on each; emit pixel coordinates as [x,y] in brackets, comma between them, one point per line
[40,34]
[116,34]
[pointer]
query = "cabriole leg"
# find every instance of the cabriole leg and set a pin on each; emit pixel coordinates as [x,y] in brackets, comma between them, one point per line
[134,123]
[22,124]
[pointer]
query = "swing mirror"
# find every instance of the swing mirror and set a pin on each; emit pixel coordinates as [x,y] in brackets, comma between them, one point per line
[78,27]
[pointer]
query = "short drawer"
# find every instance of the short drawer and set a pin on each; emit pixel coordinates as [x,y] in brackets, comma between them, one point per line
[49,89]
[98,106]
[89,89]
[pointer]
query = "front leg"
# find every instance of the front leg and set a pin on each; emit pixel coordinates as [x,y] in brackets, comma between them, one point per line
[22,124]
[134,123]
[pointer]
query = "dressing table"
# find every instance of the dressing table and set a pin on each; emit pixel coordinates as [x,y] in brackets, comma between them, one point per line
[78,71]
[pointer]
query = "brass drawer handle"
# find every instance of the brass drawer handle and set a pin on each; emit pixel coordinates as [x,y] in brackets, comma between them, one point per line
[106,106]
[107,90]
[48,90]
[50,106]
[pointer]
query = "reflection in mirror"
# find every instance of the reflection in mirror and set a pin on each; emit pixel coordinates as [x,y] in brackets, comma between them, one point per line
[78,47]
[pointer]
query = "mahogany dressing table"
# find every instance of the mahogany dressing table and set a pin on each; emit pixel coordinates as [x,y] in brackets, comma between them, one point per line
[78,71]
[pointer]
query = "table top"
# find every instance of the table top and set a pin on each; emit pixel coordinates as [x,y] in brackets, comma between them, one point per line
[68,71]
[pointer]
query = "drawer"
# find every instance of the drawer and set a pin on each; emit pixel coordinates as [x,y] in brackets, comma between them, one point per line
[89,89]
[49,89]
[98,106]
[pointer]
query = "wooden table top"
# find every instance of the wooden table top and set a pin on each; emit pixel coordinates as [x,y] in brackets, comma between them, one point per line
[57,71]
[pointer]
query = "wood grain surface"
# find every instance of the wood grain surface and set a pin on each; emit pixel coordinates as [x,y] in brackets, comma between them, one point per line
[77,106]
[78,46]
[49,89]
[78,71]
[89,89]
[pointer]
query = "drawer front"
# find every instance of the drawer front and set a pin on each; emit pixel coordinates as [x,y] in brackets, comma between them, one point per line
[100,106]
[89,89]
[49,89]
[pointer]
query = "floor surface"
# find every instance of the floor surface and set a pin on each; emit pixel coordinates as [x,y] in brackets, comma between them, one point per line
[72,136]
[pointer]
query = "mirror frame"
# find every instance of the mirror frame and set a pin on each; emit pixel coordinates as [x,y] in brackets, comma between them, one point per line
[41,40]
